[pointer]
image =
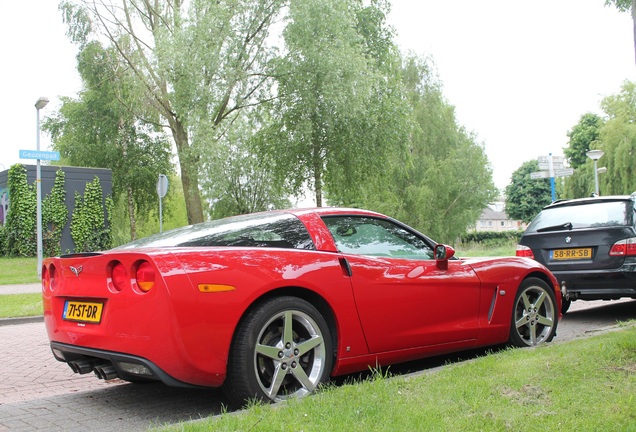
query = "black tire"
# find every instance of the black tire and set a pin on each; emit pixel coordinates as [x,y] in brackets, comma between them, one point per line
[272,361]
[534,314]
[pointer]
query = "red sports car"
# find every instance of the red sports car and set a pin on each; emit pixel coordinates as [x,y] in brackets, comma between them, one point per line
[270,305]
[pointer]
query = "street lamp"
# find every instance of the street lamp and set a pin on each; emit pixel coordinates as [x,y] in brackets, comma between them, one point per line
[39,104]
[595,155]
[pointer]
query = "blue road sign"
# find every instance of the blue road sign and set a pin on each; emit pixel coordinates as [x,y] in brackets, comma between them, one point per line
[42,155]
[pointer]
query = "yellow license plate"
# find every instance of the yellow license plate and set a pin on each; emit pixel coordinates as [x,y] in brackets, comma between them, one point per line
[90,312]
[571,254]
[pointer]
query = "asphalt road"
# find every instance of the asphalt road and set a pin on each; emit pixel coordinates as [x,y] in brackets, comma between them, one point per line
[39,393]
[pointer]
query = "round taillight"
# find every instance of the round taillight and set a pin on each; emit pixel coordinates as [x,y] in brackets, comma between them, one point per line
[52,278]
[119,276]
[145,276]
[46,279]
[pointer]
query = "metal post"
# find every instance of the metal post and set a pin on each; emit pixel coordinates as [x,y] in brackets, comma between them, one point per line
[596,178]
[595,155]
[41,103]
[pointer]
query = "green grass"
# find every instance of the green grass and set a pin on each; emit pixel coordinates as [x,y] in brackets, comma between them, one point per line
[584,385]
[20,305]
[480,250]
[18,271]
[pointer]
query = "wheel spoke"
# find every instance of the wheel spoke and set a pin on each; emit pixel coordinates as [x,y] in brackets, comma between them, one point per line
[526,301]
[540,300]
[303,379]
[277,380]
[288,328]
[533,335]
[523,321]
[545,321]
[268,351]
[308,345]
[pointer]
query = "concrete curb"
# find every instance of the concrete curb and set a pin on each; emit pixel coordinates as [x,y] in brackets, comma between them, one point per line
[21,320]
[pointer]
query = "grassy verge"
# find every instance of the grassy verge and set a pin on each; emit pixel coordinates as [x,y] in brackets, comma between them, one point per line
[20,305]
[18,271]
[480,250]
[586,385]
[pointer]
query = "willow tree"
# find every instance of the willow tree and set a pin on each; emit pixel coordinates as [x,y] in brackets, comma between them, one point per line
[196,63]
[333,125]
[618,141]
[447,180]
[98,129]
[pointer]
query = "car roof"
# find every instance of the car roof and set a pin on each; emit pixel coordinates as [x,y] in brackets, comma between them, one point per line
[588,200]
[333,211]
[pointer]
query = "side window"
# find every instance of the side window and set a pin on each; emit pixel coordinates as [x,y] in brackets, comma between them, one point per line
[376,237]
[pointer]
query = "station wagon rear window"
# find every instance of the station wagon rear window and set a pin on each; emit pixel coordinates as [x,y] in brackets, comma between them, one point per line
[594,214]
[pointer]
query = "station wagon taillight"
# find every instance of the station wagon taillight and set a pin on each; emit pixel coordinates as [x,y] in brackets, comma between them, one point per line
[524,251]
[624,248]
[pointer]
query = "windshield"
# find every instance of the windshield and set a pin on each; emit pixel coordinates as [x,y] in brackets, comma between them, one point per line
[594,214]
[256,230]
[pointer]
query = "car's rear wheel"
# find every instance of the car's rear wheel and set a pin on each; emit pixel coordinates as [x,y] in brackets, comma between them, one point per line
[535,317]
[282,349]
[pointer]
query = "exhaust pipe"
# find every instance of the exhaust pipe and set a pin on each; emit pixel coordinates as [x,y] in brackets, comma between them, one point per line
[81,366]
[106,372]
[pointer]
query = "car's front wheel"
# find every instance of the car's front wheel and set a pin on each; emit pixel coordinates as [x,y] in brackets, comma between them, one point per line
[282,349]
[534,317]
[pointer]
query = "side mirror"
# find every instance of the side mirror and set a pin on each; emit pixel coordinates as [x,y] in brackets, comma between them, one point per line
[442,254]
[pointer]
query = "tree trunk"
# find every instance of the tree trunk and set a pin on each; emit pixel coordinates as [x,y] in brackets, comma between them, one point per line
[318,180]
[189,164]
[131,215]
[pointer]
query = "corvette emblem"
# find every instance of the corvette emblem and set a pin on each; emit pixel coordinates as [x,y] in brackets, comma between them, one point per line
[568,239]
[76,270]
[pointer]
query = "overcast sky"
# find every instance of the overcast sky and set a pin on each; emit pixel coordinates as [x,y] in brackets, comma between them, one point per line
[520,74]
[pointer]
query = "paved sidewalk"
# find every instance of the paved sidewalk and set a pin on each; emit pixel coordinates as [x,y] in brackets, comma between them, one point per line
[20,289]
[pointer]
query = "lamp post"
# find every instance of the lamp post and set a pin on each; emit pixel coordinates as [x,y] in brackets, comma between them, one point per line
[39,104]
[595,155]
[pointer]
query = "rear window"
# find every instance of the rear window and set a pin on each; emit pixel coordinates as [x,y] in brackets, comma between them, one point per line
[586,215]
[280,230]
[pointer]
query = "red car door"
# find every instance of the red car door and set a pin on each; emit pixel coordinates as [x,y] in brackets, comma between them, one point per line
[406,303]
[404,300]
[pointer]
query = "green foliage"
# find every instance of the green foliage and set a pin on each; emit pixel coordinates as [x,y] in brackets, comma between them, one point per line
[621,5]
[491,237]
[196,65]
[618,140]
[525,197]
[88,225]
[20,226]
[582,138]
[236,179]
[99,130]
[338,114]
[444,182]
[174,215]
[54,216]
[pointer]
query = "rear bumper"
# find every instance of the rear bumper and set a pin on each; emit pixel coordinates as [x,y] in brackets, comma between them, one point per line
[110,365]
[598,284]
